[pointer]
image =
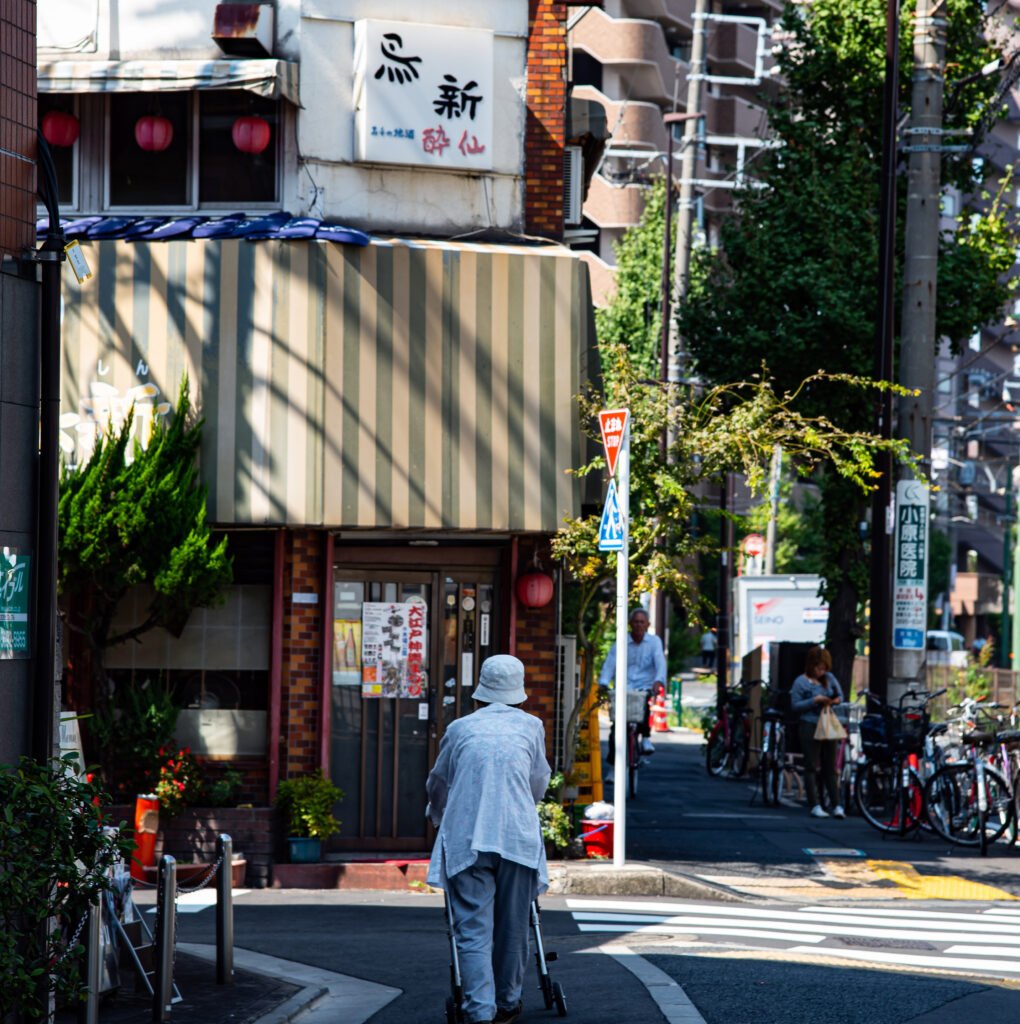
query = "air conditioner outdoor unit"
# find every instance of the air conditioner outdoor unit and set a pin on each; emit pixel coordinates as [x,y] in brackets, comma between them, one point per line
[573,184]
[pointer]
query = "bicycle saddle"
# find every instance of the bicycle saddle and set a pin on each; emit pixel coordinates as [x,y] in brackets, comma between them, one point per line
[773,715]
[938,730]
[1008,736]
[978,737]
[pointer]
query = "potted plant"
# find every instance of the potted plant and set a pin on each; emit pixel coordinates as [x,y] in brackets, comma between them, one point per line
[307,803]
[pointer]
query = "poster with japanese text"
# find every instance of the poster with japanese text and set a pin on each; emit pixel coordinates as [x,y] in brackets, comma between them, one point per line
[423,94]
[346,652]
[393,649]
[910,566]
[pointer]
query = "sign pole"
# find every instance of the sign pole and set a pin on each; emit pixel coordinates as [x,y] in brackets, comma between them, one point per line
[622,590]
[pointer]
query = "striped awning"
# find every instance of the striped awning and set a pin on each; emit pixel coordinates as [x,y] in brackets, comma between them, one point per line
[274,79]
[404,385]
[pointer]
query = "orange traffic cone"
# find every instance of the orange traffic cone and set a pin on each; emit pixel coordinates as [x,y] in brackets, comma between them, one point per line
[659,723]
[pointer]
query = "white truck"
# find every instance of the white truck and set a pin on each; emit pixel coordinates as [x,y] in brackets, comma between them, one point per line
[775,608]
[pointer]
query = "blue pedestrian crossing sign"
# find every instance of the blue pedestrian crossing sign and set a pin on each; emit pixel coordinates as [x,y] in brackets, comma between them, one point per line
[611,527]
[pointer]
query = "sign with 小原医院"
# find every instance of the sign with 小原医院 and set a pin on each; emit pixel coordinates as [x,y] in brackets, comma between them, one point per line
[14,591]
[423,94]
[910,566]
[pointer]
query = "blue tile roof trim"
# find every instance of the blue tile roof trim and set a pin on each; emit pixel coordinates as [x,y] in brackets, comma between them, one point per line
[278,224]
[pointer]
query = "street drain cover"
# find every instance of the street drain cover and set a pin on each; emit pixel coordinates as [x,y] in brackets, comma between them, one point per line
[872,943]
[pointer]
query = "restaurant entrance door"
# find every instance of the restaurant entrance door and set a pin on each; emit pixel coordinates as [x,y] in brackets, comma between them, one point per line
[383,746]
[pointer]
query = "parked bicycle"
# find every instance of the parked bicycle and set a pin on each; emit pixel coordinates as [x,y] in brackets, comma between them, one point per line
[969,802]
[729,739]
[889,788]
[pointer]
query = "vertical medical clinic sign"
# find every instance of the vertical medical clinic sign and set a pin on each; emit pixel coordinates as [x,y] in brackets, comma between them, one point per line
[910,566]
[15,578]
[423,95]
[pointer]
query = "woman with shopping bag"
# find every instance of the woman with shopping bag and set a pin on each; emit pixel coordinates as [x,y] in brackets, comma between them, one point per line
[813,697]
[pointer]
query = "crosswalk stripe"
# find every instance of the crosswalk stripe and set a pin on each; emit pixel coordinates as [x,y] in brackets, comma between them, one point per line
[785,929]
[958,923]
[654,906]
[910,960]
[981,942]
[740,933]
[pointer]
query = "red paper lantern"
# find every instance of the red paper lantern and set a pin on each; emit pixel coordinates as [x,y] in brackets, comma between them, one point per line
[153,134]
[250,134]
[60,129]
[534,590]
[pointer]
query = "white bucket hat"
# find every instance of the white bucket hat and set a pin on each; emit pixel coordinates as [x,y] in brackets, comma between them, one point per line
[501,680]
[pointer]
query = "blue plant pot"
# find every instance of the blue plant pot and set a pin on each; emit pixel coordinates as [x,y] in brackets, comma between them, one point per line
[304,850]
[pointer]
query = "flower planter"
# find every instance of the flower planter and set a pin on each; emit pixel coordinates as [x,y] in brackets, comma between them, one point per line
[304,850]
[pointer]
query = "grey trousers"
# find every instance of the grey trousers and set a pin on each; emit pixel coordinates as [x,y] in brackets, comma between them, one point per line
[490,903]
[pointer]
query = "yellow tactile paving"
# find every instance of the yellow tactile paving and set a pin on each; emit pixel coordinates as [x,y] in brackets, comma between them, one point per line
[916,886]
[852,878]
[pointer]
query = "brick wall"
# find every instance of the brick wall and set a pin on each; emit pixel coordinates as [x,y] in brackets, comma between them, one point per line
[191,836]
[17,125]
[544,138]
[536,647]
[302,625]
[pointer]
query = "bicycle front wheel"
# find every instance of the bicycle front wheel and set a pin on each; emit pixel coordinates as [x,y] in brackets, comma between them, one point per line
[717,756]
[954,809]
[877,794]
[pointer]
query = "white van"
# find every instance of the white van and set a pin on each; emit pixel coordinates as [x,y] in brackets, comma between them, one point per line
[946,648]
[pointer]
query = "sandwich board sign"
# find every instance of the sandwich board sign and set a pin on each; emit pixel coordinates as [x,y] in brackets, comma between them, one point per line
[611,526]
[613,423]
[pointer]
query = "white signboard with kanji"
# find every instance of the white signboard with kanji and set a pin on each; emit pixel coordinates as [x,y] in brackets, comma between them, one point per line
[423,94]
[910,566]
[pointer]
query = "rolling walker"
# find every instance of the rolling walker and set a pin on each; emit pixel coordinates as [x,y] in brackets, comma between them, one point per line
[552,991]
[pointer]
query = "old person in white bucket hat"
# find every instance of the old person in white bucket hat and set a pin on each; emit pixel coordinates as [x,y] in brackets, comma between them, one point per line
[489,856]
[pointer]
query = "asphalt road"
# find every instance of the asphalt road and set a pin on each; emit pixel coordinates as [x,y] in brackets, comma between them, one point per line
[818,937]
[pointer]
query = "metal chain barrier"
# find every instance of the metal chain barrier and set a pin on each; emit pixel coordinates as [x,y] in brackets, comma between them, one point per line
[72,943]
[205,881]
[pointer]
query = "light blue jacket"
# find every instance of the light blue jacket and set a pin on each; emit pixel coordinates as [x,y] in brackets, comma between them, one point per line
[490,773]
[646,664]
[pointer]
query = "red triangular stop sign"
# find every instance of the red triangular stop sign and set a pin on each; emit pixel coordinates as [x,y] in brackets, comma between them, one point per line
[613,423]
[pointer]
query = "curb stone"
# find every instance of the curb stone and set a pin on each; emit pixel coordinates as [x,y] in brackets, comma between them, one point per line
[599,878]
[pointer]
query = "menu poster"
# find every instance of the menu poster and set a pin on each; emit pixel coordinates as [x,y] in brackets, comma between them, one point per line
[346,652]
[392,649]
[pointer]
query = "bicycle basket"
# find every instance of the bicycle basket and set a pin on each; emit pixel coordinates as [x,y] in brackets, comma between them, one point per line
[637,705]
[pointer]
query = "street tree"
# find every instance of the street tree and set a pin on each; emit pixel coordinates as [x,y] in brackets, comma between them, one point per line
[794,280]
[127,522]
[731,427]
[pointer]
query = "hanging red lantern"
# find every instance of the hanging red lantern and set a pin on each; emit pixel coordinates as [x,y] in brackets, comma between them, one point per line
[250,134]
[534,589]
[60,129]
[153,134]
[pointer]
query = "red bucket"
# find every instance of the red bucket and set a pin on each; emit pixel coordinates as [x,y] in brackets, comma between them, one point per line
[598,837]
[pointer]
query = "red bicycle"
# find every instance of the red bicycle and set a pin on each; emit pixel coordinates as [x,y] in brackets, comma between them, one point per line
[730,738]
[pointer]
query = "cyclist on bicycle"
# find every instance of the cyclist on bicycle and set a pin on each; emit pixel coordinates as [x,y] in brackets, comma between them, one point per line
[646,669]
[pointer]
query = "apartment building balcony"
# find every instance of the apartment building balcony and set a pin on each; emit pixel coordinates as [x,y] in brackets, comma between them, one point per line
[634,125]
[634,50]
[976,593]
[614,206]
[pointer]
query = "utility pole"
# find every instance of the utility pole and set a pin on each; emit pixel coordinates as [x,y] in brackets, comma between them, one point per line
[880,619]
[918,341]
[775,477]
[685,207]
